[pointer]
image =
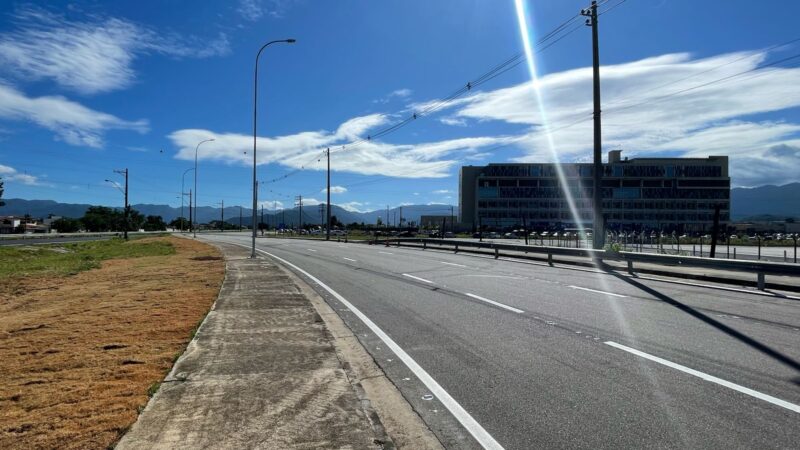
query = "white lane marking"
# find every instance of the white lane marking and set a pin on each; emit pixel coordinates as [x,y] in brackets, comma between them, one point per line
[452,264]
[349,259]
[311,250]
[464,418]
[496,276]
[598,292]
[510,308]
[707,377]
[386,253]
[418,278]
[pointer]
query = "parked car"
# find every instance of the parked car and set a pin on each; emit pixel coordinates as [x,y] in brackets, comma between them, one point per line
[449,234]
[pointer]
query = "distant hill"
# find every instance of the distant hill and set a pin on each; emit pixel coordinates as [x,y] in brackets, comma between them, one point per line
[766,200]
[44,208]
[779,201]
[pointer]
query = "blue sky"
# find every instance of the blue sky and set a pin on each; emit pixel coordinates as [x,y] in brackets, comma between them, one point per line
[88,87]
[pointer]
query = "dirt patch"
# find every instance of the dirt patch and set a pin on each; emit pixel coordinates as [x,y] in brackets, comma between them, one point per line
[80,353]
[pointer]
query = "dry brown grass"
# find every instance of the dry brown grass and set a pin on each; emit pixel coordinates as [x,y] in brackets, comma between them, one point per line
[80,352]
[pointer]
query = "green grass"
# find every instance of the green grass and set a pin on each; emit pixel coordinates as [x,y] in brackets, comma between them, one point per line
[71,258]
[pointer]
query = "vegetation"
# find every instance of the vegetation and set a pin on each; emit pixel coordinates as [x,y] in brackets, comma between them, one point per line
[2,203]
[154,223]
[69,259]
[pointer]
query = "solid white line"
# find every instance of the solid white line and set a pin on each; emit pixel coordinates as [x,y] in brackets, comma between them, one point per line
[311,250]
[713,379]
[418,278]
[452,264]
[464,418]
[386,253]
[510,308]
[349,259]
[598,292]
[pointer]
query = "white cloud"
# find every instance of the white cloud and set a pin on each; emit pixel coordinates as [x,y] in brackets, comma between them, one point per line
[72,122]
[641,115]
[397,93]
[442,191]
[335,190]
[8,173]
[90,56]
[353,206]
[453,121]
[272,205]
[303,150]
[254,10]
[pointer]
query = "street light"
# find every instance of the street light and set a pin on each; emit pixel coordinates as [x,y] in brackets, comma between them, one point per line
[255,118]
[194,228]
[183,193]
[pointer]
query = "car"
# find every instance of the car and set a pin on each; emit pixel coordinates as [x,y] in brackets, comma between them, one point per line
[407,234]
[476,235]
[449,234]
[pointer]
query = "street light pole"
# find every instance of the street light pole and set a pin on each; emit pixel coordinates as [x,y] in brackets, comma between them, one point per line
[255,149]
[183,193]
[194,227]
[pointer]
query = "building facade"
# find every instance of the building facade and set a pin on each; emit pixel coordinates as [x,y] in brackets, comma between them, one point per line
[639,194]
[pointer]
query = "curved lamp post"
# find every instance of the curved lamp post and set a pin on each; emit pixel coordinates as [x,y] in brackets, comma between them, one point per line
[255,118]
[194,227]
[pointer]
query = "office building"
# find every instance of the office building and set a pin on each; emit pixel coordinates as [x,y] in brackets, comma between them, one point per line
[639,194]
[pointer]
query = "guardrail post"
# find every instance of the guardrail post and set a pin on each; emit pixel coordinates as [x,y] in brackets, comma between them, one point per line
[630,267]
[761,281]
[456,249]
[550,259]
[424,245]
[496,253]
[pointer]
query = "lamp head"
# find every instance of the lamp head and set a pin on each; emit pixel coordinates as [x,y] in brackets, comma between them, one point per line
[291,41]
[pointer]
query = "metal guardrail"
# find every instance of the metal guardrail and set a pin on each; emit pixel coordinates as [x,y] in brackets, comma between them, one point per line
[760,268]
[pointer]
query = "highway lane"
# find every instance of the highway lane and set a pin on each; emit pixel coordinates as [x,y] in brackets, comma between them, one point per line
[545,376]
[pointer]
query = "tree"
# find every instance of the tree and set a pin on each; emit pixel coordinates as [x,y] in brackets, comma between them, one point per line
[181,223]
[66,225]
[335,222]
[2,203]
[154,223]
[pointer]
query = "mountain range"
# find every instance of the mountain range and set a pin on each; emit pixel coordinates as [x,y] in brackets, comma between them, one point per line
[311,214]
[777,201]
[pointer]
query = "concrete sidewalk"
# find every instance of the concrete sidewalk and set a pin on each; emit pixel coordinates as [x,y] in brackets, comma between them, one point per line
[264,371]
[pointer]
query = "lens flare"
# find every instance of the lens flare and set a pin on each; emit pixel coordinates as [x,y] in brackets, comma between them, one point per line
[527,37]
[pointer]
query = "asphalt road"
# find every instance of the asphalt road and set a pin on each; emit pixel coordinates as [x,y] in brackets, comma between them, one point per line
[521,355]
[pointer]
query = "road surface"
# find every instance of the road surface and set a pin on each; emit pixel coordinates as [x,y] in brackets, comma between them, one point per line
[503,354]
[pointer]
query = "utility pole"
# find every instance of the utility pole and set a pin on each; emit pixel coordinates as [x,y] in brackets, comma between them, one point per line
[328,220]
[240,218]
[452,220]
[191,224]
[126,207]
[299,200]
[598,232]
[222,216]
[401,217]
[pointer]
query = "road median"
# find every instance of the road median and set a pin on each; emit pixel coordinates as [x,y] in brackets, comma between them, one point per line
[267,370]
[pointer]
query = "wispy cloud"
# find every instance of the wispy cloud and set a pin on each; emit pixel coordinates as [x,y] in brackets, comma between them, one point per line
[353,206]
[335,190]
[90,56]
[642,113]
[442,191]
[303,150]
[255,10]
[71,122]
[8,173]
[397,93]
